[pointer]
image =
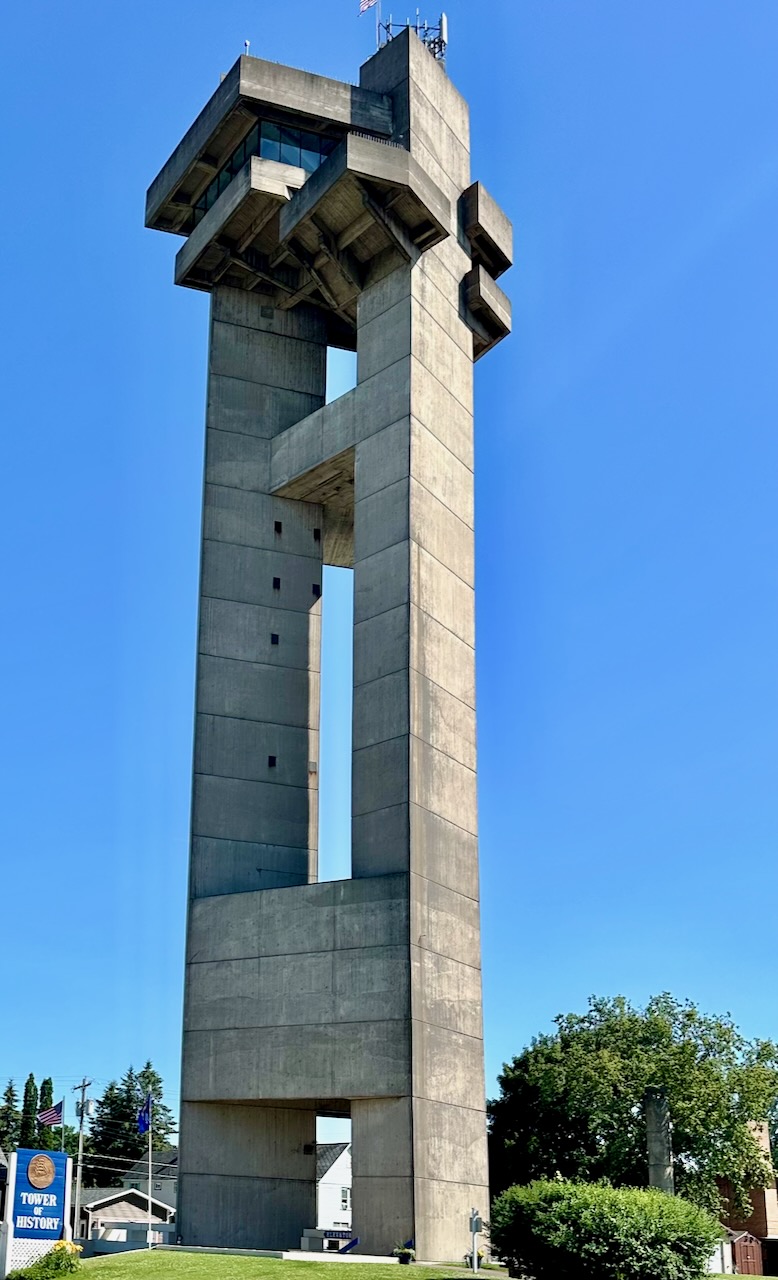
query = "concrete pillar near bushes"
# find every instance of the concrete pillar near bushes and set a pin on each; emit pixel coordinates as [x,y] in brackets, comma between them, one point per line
[317,213]
[659,1137]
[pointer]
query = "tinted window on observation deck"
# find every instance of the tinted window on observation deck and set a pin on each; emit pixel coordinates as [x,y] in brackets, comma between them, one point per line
[271,142]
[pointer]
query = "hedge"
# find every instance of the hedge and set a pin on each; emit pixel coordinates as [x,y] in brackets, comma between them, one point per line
[554,1230]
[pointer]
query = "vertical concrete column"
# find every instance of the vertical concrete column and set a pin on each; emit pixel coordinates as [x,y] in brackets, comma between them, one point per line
[248,1171]
[381,712]
[254,819]
[248,1174]
[415,805]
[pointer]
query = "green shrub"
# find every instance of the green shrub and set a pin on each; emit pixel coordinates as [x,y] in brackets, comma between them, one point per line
[63,1258]
[583,1231]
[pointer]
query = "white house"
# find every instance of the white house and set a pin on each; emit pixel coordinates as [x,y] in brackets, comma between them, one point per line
[333,1186]
[164,1176]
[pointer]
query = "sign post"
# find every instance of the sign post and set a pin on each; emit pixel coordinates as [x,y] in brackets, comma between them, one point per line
[476,1225]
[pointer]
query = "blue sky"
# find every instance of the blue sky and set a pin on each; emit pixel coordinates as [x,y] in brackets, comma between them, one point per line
[627,458]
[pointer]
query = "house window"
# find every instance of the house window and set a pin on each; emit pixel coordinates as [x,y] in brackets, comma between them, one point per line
[345,1198]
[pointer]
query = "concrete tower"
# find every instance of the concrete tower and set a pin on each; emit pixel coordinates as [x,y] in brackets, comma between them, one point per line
[316,213]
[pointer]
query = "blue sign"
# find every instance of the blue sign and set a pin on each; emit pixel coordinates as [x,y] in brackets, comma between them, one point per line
[337,1235]
[39,1209]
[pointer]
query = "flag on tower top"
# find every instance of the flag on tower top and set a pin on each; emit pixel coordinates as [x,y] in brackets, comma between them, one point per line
[51,1115]
[364,5]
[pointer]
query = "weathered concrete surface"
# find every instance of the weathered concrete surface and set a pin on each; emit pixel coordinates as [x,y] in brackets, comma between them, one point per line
[360,997]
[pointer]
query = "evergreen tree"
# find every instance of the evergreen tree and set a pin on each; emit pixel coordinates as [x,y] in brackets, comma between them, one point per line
[163,1122]
[9,1119]
[48,1138]
[114,1135]
[28,1130]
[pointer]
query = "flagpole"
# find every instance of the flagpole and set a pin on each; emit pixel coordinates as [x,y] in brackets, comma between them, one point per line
[149,1233]
[378,26]
[62,1128]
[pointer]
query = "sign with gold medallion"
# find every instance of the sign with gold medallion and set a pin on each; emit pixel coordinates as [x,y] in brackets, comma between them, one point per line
[39,1196]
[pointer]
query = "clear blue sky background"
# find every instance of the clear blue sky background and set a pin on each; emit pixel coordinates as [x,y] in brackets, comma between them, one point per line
[626,509]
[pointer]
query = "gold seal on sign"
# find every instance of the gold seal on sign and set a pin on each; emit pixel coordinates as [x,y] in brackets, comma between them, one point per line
[41,1172]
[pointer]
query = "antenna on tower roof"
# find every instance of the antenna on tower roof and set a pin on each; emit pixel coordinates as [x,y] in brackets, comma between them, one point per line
[433,38]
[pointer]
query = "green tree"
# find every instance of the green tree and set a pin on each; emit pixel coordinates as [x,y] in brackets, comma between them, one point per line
[163,1122]
[114,1132]
[571,1105]
[47,1137]
[28,1129]
[9,1119]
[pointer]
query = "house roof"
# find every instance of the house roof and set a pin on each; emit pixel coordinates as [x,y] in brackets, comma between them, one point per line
[164,1164]
[112,1197]
[326,1155]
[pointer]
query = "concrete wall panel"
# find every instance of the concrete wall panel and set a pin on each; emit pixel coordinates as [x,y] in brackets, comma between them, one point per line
[450,1138]
[448,993]
[442,473]
[382,519]
[238,461]
[443,852]
[248,576]
[244,632]
[235,748]
[440,719]
[279,695]
[249,519]
[381,710]
[443,785]
[233,809]
[447,920]
[441,533]
[241,406]
[380,581]
[383,458]
[381,645]
[380,776]
[242,866]
[274,361]
[380,842]
[352,1060]
[447,1066]
[442,594]
[443,657]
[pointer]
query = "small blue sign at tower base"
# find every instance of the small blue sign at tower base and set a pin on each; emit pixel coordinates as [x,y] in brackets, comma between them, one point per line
[40,1209]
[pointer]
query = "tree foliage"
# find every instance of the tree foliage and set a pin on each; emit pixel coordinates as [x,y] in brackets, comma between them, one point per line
[114,1130]
[28,1129]
[47,1137]
[553,1230]
[571,1104]
[9,1119]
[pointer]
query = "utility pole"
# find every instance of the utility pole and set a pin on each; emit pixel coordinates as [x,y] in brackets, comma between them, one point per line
[83,1086]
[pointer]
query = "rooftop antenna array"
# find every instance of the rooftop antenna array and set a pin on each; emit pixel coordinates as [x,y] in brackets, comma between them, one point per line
[433,38]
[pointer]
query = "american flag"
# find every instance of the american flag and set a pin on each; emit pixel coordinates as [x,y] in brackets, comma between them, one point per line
[52,1115]
[364,5]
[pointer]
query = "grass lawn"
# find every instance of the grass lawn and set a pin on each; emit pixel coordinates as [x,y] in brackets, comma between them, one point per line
[215,1266]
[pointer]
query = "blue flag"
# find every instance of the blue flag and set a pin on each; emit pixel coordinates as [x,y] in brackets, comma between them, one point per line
[144,1116]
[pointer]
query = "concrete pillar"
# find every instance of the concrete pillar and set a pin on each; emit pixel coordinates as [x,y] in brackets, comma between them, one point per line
[254,810]
[659,1136]
[249,1174]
